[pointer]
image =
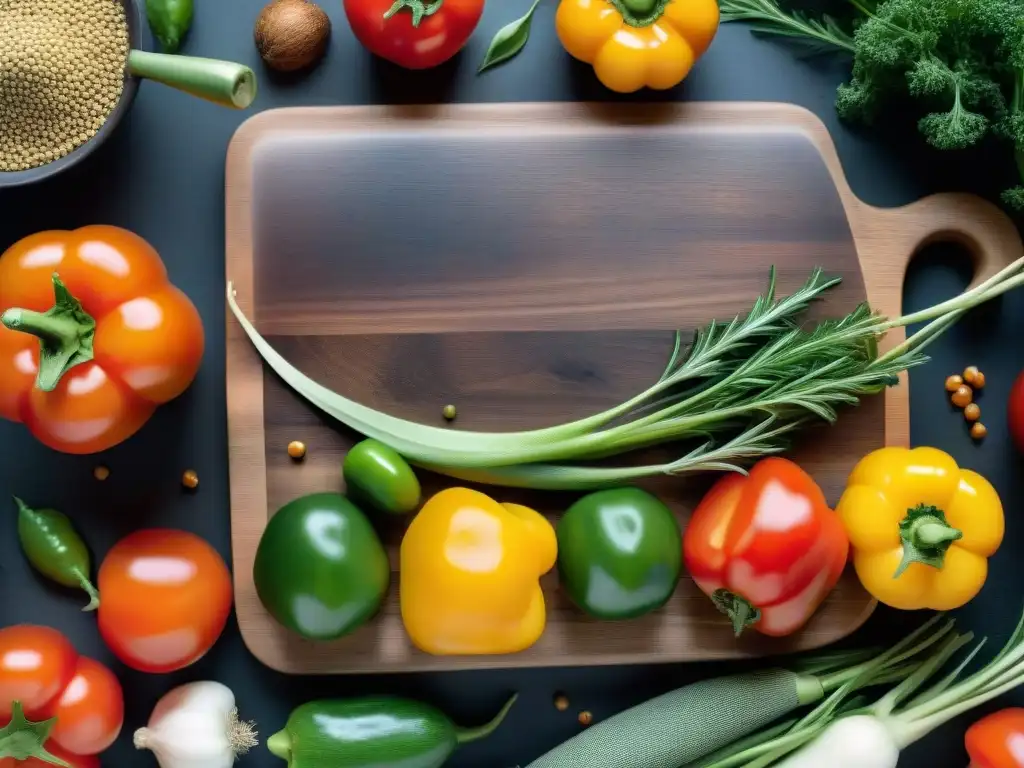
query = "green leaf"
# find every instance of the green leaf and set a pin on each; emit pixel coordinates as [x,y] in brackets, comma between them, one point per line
[509,41]
[821,35]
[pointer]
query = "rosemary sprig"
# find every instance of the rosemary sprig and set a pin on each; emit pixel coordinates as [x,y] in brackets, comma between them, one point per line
[821,35]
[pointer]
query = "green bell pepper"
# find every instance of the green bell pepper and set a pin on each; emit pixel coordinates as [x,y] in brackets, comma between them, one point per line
[320,568]
[619,553]
[373,732]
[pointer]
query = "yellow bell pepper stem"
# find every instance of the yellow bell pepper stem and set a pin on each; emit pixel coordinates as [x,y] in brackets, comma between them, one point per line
[639,13]
[921,528]
[926,537]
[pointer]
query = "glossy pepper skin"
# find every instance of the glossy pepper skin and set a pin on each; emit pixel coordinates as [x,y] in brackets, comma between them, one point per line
[997,741]
[922,528]
[766,547]
[469,576]
[320,569]
[93,336]
[619,553]
[634,44]
[373,732]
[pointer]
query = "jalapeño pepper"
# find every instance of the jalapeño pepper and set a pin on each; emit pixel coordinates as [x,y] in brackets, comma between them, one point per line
[55,549]
[373,732]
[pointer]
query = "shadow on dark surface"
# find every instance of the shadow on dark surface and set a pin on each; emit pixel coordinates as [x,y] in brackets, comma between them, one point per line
[392,84]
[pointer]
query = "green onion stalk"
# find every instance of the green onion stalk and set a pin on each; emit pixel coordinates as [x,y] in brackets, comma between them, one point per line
[736,393]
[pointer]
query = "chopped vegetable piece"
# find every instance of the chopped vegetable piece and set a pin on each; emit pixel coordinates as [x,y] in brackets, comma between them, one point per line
[933,554]
[190,479]
[971,375]
[972,412]
[978,430]
[953,383]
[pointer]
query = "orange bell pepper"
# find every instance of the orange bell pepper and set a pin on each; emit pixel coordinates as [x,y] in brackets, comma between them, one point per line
[637,43]
[93,336]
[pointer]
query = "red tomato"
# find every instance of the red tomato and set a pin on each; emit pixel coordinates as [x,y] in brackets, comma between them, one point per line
[438,36]
[1015,411]
[75,761]
[997,741]
[165,598]
[36,665]
[90,712]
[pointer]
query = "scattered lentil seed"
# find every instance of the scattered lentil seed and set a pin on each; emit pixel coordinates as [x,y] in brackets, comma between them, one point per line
[978,430]
[449,412]
[62,68]
[972,412]
[297,449]
[963,396]
[953,383]
[190,479]
[101,473]
[561,702]
[585,718]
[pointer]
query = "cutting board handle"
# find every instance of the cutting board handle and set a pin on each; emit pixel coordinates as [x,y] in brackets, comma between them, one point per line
[984,230]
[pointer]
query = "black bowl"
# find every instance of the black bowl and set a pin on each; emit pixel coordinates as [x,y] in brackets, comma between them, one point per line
[133,13]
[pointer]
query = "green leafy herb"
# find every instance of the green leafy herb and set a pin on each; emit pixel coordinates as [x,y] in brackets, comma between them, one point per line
[509,41]
[961,61]
[170,20]
[740,391]
[822,34]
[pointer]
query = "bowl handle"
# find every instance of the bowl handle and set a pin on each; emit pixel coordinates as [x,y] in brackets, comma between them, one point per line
[222,82]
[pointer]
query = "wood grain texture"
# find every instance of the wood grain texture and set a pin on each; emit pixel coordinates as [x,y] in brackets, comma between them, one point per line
[527,262]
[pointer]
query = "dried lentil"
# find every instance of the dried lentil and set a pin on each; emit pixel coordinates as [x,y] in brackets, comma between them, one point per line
[61,74]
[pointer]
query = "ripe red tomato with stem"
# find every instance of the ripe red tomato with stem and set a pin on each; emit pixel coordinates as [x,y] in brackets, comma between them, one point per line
[415,34]
[165,596]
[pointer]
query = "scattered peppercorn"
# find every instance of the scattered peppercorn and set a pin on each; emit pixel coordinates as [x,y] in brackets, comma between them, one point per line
[978,430]
[297,449]
[449,412]
[62,66]
[101,473]
[953,383]
[585,718]
[561,702]
[972,412]
[190,479]
[963,396]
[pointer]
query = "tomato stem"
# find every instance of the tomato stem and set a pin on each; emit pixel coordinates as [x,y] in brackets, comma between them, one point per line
[22,739]
[640,13]
[66,333]
[418,8]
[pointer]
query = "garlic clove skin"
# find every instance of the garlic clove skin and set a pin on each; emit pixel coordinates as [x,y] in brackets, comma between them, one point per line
[196,726]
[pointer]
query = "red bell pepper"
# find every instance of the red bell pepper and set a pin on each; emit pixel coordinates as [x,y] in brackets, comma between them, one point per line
[766,547]
[997,741]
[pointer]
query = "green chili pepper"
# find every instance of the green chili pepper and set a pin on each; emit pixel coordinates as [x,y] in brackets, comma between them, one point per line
[55,549]
[169,20]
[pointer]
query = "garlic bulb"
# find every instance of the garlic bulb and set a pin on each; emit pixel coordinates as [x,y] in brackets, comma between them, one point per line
[196,726]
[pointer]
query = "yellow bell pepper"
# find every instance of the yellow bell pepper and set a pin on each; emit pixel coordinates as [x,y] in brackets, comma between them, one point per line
[637,43]
[470,574]
[922,529]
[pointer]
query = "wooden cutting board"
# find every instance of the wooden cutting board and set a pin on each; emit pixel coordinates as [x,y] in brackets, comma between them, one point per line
[527,262]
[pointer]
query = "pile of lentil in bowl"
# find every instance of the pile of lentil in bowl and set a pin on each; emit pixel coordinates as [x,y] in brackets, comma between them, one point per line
[62,68]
